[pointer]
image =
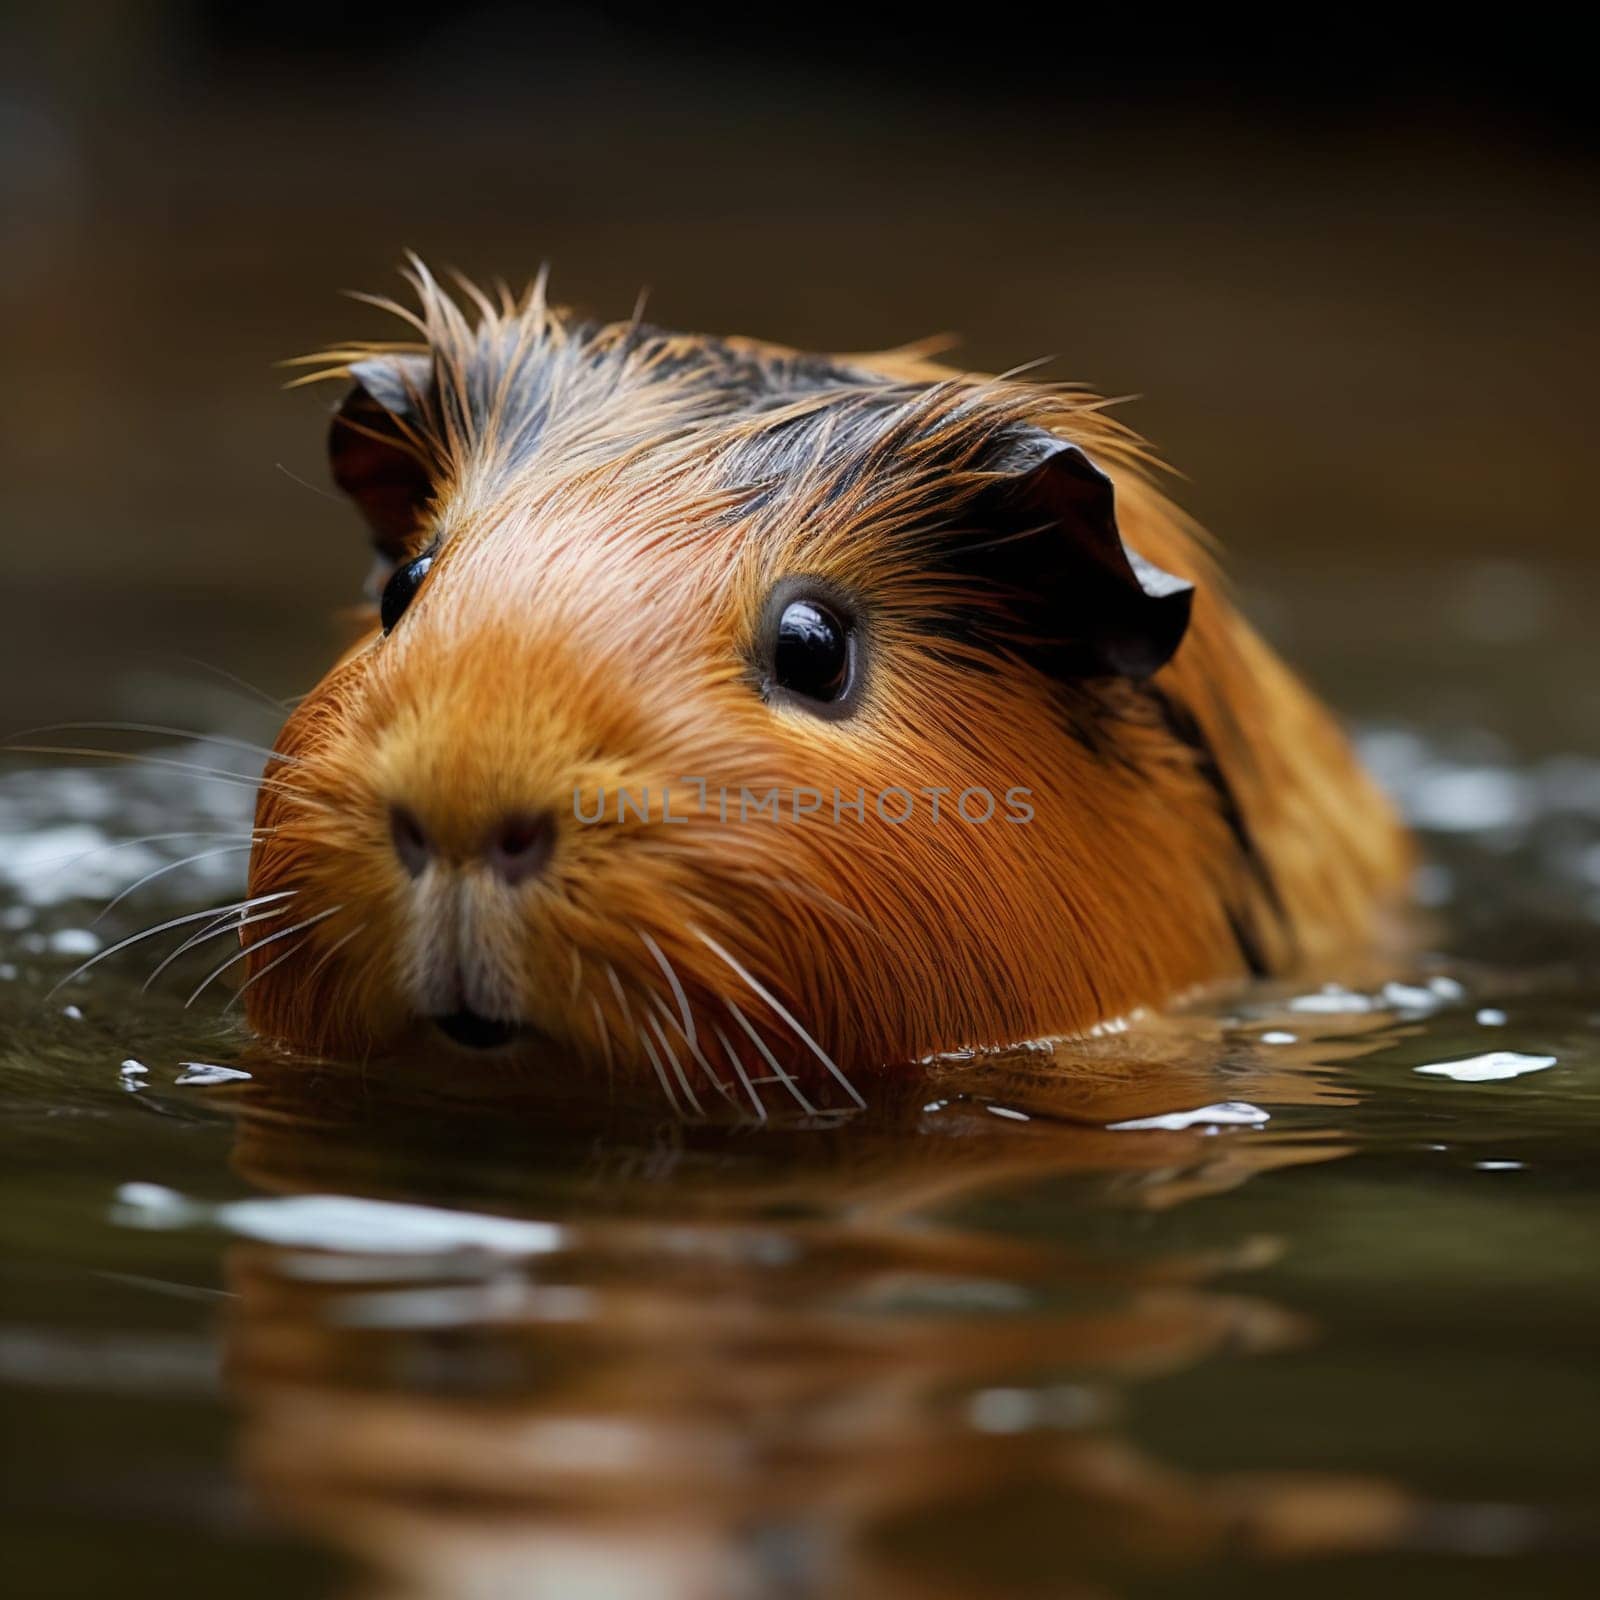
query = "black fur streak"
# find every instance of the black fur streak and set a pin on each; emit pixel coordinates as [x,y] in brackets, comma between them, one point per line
[1180,722]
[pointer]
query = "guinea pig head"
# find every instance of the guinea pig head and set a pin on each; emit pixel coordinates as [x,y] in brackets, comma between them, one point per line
[735,720]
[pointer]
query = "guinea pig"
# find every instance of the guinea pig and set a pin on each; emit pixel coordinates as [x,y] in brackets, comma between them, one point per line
[758,722]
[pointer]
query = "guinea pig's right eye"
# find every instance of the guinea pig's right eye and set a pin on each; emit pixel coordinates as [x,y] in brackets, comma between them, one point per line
[812,657]
[401,589]
[812,648]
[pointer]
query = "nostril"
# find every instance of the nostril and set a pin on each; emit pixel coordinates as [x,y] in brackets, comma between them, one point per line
[520,845]
[411,842]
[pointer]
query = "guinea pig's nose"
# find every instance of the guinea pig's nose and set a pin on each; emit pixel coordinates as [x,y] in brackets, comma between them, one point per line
[519,845]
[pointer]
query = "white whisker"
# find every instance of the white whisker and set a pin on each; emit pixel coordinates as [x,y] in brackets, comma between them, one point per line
[211,774]
[694,1049]
[661,1071]
[62,863]
[293,950]
[605,1040]
[172,866]
[245,684]
[739,1067]
[150,933]
[271,938]
[161,731]
[326,956]
[212,930]
[772,1000]
[295,478]
[622,998]
[771,1060]
[672,978]
[677,1069]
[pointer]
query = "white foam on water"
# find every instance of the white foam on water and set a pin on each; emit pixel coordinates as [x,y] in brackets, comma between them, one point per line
[1494,1067]
[197,1074]
[1224,1114]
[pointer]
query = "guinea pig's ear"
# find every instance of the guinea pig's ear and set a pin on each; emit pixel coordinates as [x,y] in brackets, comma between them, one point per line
[1090,606]
[374,450]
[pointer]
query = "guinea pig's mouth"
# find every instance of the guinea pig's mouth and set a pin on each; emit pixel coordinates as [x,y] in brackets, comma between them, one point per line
[474,1031]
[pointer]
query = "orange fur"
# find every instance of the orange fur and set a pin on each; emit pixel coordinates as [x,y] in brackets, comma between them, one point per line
[587,623]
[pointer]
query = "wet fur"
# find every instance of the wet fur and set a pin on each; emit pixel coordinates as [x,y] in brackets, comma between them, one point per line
[611,505]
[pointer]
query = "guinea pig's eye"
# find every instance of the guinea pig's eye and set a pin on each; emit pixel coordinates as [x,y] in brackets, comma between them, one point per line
[400,590]
[811,655]
[813,648]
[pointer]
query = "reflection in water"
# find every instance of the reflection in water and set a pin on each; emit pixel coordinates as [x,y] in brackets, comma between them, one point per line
[814,1369]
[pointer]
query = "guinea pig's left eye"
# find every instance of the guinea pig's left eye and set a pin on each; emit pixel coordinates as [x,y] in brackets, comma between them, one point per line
[813,649]
[401,589]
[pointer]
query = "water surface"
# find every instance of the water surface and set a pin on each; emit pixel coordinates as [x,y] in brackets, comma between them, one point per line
[1296,1286]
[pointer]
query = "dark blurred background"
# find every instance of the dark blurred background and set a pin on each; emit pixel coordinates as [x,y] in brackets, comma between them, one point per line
[1349,278]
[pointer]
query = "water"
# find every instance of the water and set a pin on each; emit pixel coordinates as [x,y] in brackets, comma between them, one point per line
[1295,1286]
